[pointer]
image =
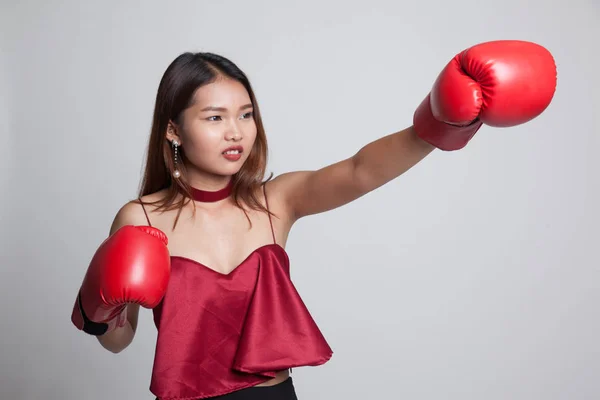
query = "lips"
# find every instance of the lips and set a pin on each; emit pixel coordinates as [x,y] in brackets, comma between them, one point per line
[233,153]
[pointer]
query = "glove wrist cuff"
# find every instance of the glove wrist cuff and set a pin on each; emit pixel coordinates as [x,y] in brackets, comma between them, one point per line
[440,134]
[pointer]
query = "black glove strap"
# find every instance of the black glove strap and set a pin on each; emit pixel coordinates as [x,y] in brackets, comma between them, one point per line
[89,326]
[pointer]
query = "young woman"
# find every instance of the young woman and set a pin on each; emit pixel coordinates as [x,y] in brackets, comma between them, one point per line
[203,246]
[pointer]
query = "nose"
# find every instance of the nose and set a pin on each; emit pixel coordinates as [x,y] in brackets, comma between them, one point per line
[233,134]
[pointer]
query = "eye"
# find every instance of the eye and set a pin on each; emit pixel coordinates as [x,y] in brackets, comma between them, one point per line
[214,116]
[249,114]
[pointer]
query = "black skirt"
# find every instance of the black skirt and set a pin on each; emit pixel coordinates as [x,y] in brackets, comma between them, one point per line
[281,391]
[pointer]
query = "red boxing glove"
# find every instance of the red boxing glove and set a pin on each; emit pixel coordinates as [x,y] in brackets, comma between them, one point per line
[131,266]
[501,83]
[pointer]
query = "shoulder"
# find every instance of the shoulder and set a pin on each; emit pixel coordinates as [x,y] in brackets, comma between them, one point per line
[131,213]
[285,181]
[134,212]
[280,189]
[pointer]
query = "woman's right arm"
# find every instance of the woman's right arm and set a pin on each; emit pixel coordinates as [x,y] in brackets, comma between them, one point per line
[118,339]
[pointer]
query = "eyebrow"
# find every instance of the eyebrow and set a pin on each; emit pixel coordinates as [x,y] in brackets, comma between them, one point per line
[221,109]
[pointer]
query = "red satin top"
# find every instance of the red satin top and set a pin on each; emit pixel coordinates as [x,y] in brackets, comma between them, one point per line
[220,333]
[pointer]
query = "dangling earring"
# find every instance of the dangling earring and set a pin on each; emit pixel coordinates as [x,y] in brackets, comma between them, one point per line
[176,173]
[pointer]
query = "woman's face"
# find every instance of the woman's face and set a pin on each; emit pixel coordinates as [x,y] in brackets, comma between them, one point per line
[218,130]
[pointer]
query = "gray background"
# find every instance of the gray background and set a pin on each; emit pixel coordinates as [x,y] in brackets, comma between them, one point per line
[473,276]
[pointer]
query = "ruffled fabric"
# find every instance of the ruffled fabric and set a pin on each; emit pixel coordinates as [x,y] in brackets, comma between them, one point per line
[221,333]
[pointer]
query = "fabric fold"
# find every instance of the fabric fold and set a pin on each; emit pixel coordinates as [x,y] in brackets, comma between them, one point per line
[220,333]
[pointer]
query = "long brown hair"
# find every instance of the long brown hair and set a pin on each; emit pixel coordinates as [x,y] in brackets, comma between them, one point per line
[182,78]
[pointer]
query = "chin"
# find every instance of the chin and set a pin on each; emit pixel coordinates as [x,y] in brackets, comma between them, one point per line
[228,170]
[220,168]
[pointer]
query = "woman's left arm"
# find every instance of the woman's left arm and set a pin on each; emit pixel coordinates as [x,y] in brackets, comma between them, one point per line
[305,193]
[504,83]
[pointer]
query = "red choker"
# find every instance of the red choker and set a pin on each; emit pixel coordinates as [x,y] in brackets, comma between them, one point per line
[209,197]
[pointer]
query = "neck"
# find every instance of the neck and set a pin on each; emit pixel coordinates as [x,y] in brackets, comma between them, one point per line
[209,196]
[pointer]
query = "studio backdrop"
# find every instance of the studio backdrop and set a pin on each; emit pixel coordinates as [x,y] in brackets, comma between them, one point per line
[475,275]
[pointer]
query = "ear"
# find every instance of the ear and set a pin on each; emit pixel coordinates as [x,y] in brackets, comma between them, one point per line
[173,132]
